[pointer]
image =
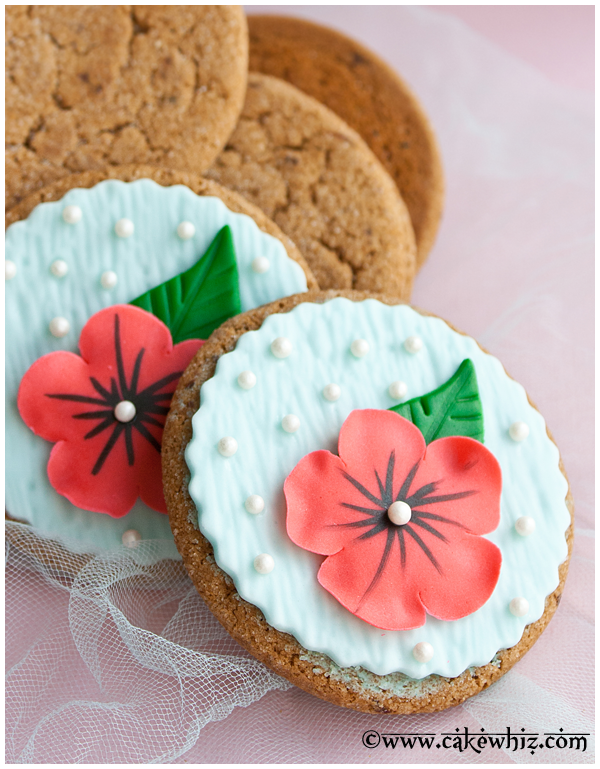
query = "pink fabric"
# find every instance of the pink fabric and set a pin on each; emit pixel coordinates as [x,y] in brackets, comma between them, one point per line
[513,267]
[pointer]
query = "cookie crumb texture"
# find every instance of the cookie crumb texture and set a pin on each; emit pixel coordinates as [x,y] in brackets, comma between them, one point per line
[354,687]
[365,92]
[88,86]
[319,182]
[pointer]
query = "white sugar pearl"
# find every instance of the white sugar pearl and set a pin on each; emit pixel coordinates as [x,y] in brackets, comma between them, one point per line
[186,230]
[413,344]
[260,265]
[247,380]
[59,327]
[423,652]
[59,268]
[72,214]
[255,504]
[281,347]
[10,269]
[518,431]
[398,390]
[108,280]
[227,446]
[264,563]
[124,411]
[131,537]
[359,348]
[525,525]
[519,606]
[331,392]
[290,423]
[399,513]
[124,228]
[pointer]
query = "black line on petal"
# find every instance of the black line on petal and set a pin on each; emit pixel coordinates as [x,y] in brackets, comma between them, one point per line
[382,563]
[118,429]
[433,517]
[147,435]
[99,428]
[99,388]
[160,383]
[129,445]
[93,414]
[430,529]
[76,398]
[377,529]
[402,546]
[136,373]
[365,492]
[119,357]
[423,547]
[354,524]
[380,484]
[367,510]
[151,421]
[409,479]
[389,480]
[449,497]
[415,498]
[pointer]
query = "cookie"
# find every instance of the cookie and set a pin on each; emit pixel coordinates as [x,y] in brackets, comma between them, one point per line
[373,100]
[88,86]
[320,183]
[275,515]
[132,267]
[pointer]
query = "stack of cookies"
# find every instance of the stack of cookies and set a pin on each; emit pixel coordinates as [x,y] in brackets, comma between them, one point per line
[215,223]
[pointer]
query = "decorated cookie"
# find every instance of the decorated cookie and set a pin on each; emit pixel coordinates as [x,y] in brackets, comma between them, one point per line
[110,291]
[317,179]
[362,89]
[94,85]
[380,465]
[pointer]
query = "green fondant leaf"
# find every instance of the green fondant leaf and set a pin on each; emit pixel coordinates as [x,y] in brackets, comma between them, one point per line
[196,302]
[452,409]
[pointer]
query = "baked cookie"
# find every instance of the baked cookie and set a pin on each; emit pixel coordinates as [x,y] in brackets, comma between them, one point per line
[413,569]
[91,85]
[373,100]
[317,179]
[133,274]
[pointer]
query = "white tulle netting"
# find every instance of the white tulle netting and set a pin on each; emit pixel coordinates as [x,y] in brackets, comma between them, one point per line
[112,660]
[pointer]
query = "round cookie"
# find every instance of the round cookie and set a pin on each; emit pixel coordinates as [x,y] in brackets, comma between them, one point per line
[98,240]
[373,100]
[416,684]
[317,179]
[91,85]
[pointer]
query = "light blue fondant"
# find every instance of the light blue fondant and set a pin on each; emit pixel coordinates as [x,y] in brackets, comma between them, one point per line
[153,254]
[290,596]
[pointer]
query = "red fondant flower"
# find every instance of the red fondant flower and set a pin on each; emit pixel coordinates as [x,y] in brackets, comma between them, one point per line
[391,574]
[106,409]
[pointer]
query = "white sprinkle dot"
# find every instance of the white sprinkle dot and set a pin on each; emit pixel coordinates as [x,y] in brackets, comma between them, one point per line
[59,268]
[281,347]
[186,230]
[413,344]
[124,411]
[423,651]
[10,269]
[108,279]
[124,228]
[227,446]
[290,423]
[72,214]
[519,606]
[398,390]
[255,504]
[59,327]
[131,537]
[261,264]
[332,392]
[399,513]
[518,431]
[264,563]
[525,525]
[247,380]
[359,348]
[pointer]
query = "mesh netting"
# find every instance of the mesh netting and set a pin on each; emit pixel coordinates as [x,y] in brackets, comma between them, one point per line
[111,660]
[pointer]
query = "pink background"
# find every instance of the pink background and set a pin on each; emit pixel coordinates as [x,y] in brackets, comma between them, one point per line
[509,93]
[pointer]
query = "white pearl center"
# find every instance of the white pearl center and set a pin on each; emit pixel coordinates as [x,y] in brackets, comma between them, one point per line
[124,411]
[399,513]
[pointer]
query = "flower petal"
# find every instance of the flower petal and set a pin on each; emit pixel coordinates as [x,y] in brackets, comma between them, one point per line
[463,481]
[367,577]
[369,438]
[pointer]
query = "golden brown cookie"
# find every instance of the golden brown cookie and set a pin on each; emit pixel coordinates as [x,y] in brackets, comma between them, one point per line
[353,687]
[165,177]
[365,92]
[319,182]
[88,86]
